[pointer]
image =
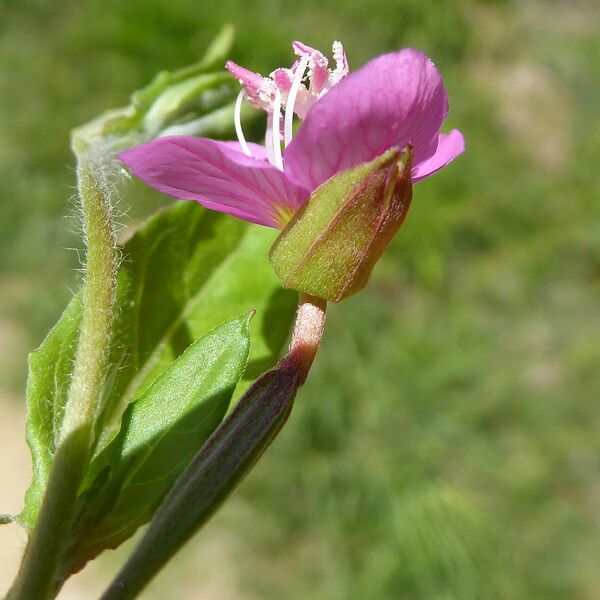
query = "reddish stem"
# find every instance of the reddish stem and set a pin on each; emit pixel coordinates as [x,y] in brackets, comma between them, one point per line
[306,338]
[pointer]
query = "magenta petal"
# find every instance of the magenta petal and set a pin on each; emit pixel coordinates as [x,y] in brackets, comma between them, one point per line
[258,151]
[395,99]
[450,145]
[218,176]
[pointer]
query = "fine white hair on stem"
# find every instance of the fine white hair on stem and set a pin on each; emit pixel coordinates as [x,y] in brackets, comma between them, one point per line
[291,100]
[237,118]
[276,131]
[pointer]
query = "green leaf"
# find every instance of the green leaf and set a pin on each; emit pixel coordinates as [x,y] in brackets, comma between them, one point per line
[220,48]
[172,99]
[161,432]
[196,95]
[185,271]
[210,477]
[214,57]
[47,384]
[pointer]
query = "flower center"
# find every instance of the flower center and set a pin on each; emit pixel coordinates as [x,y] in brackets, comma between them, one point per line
[295,87]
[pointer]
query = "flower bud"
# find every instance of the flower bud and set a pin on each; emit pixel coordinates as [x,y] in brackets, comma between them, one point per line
[332,243]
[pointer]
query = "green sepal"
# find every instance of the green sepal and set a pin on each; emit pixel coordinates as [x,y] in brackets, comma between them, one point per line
[332,243]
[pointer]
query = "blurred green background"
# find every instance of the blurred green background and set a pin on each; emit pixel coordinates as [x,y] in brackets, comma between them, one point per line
[446,444]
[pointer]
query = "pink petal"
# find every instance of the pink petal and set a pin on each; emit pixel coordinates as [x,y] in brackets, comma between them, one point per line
[258,150]
[218,176]
[395,99]
[450,145]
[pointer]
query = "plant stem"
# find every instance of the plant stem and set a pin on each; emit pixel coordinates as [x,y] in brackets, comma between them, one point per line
[37,577]
[226,457]
[306,338]
[98,298]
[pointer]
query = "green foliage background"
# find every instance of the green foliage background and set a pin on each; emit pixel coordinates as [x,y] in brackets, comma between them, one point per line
[446,444]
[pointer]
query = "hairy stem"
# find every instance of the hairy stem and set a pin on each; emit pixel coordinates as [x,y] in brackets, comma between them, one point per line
[37,577]
[98,299]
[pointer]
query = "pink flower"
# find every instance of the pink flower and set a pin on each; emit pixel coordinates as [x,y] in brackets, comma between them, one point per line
[394,100]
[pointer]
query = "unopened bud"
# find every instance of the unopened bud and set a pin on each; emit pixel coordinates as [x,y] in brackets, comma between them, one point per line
[331,245]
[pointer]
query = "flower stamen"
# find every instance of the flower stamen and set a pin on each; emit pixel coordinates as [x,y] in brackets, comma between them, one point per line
[237,119]
[269,139]
[291,100]
[276,131]
[285,93]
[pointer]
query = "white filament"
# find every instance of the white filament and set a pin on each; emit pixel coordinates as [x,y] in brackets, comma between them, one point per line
[237,119]
[269,139]
[291,100]
[276,132]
